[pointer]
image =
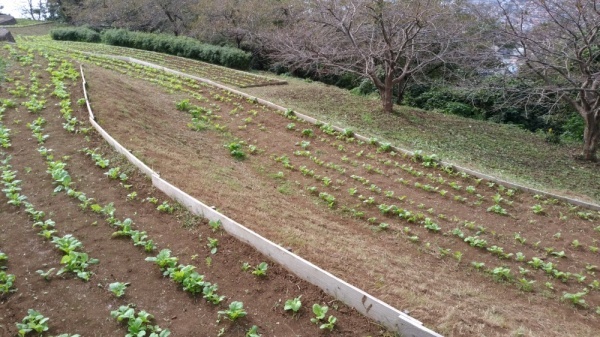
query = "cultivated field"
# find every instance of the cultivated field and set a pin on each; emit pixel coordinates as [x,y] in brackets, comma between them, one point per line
[464,255]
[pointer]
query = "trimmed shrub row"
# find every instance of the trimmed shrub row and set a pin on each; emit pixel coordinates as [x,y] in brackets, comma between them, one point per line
[81,34]
[162,43]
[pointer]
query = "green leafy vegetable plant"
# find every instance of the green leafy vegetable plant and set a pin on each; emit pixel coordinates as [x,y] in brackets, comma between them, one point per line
[235,149]
[235,311]
[118,288]
[293,304]
[165,207]
[320,312]
[33,322]
[260,269]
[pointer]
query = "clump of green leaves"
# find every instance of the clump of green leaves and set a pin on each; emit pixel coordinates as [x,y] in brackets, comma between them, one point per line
[118,288]
[293,304]
[183,105]
[235,149]
[33,322]
[215,225]
[213,244]
[138,323]
[235,311]
[260,269]
[165,207]
[320,312]
[576,299]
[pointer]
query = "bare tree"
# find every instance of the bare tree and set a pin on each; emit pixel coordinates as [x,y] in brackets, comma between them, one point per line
[237,21]
[36,10]
[389,42]
[558,42]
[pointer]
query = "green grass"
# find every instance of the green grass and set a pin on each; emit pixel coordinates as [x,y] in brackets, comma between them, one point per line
[34,29]
[27,22]
[504,151]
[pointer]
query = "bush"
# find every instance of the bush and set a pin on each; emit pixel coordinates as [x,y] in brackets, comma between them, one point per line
[462,109]
[573,128]
[180,46]
[82,34]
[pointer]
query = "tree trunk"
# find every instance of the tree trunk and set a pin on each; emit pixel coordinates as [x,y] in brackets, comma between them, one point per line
[387,94]
[591,137]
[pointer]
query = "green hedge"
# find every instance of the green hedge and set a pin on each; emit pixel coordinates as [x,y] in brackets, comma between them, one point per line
[162,43]
[81,34]
[180,46]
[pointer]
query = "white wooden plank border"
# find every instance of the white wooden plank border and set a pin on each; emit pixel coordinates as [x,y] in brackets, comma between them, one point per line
[363,302]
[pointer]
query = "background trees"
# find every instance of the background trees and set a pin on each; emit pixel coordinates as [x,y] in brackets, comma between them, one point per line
[558,47]
[437,54]
[388,42]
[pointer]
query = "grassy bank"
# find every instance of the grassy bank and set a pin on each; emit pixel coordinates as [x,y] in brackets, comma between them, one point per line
[504,151]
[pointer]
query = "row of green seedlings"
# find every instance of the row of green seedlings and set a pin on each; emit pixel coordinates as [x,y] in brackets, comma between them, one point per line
[503,274]
[346,134]
[202,119]
[81,53]
[62,180]
[202,69]
[426,161]
[320,311]
[74,260]
[7,281]
[64,71]
[115,173]
[34,104]
[383,207]
[434,227]
[190,280]
[4,131]
[185,275]
[36,323]
[370,200]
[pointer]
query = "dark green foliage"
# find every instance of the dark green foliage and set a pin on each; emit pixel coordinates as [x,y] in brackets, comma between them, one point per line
[366,87]
[162,43]
[82,34]
[180,46]
[490,104]
[573,128]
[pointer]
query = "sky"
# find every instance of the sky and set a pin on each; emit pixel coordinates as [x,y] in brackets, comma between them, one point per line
[13,7]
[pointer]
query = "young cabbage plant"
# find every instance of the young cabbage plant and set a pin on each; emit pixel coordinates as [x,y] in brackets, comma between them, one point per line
[33,322]
[260,269]
[293,304]
[320,312]
[213,244]
[118,288]
[46,274]
[235,311]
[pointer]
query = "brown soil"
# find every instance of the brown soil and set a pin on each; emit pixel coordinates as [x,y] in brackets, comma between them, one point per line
[447,295]
[75,306]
